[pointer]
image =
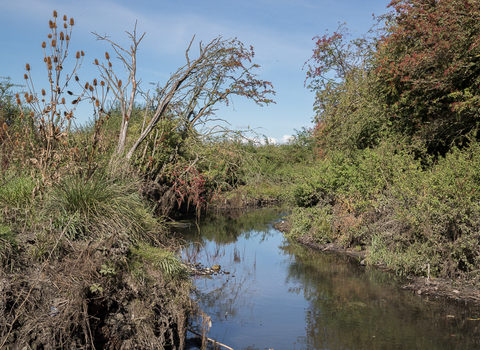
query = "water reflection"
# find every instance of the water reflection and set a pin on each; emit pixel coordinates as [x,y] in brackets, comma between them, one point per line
[283,296]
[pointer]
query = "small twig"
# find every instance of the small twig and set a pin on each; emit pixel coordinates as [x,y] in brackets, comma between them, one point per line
[213,341]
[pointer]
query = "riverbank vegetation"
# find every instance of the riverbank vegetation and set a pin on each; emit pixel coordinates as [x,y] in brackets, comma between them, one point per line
[390,167]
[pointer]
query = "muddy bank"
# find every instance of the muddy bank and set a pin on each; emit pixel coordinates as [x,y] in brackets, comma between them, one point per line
[423,286]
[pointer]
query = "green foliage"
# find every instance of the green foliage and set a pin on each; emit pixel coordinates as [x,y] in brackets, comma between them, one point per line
[315,221]
[144,256]
[16,191]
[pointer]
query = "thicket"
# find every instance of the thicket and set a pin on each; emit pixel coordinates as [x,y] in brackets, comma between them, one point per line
[397,171]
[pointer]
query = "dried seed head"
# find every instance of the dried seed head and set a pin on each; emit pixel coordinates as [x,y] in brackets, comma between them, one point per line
[17,95]
[62,36]
[72,22]
[32,114]
[65,25]
[76,78]
[91,88]
[26,95]
[27,66]
[87,85]
[25,76]
[5,126]
[55,14]
[19,102]
[44,44]
[102,83]
[54,43]
[31,98]
[107,56]
[49,60]
[63,100]
[120,83]
[96,61]
[65,18]
[97,103]
[77,56]
[49,67]
[67,37]
[45,59]
[49,36]
[43,92]
[95,83]
[83,53]
[55,59]
[110,64]
[50,24]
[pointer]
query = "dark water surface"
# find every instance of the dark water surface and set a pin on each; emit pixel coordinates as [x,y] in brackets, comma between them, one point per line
[280,295]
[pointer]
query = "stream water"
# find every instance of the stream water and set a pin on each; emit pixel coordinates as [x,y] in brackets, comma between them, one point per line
[279,295]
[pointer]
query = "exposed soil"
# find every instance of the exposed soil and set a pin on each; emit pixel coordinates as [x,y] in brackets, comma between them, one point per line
[423,286]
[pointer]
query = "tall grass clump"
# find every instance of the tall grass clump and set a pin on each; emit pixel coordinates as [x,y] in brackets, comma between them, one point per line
[100,206]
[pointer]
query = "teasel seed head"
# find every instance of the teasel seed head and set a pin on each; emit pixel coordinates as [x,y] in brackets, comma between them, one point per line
[49,60]
[97,103]
[25,76]
[55,14]
[77,56]
[76,78]
[45,59]
[96,61]
[26,95]
[55,59]
[43,92]
[102,83]
[27,66]
[87,85]
[107,56]
[50,24]
[49,36]
[49,67]
[54,43]
[120,83]
[62,36]
[5,126]
[65,18]
[19,102]
[32,114]
[65,25]
[44,44]
[67,37]
[82,53]
[91,88]
[110,64]
[95,83]
[72,22]
[63,100]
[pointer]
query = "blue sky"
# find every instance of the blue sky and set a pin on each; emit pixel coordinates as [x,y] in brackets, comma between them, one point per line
[280,31]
